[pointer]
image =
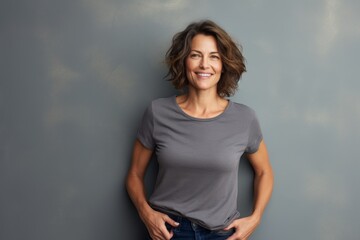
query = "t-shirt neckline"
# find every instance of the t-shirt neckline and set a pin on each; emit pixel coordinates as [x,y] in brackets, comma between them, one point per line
[200,119]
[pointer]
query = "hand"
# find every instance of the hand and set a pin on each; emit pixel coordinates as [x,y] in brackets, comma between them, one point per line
[244,227]
[155,224]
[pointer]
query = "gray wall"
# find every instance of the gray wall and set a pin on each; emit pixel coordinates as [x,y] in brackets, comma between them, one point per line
[76,76]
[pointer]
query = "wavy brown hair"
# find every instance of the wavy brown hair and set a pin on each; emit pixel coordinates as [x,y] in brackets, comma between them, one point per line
[230,54]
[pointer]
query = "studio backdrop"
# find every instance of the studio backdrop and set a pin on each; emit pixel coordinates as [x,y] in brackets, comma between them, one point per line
[76,76]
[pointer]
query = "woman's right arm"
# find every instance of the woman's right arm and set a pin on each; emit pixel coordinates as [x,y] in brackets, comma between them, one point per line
[153,220]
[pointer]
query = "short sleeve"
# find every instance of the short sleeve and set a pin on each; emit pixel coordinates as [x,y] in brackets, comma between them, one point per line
[146,129]
[255,135]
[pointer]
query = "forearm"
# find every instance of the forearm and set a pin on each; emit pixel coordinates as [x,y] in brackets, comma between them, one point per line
[263,186]
[135,178]
[136,189]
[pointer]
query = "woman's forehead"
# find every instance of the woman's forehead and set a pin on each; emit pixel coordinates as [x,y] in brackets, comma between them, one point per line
[203,42]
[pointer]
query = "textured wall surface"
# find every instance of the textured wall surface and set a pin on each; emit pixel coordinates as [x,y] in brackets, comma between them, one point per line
[76,76]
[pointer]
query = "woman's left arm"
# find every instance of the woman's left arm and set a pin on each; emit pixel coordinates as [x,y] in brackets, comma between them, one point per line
[263,185]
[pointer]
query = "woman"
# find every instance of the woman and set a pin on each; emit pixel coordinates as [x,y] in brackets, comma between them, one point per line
[198,138]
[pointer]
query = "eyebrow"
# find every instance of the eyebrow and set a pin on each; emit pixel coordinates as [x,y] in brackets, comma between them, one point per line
[201,52]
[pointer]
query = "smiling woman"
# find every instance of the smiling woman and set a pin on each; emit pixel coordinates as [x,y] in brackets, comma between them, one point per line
[199,138]
[203,64]
[230,55]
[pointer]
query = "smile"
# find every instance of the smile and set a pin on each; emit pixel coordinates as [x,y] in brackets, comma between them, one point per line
[204,74]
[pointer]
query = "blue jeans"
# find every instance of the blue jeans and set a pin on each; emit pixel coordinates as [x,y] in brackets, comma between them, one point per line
[192,231]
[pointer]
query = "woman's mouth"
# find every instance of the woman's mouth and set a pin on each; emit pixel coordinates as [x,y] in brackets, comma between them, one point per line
[203,74]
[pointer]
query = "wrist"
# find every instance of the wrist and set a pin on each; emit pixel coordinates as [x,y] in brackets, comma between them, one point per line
[144,209]
[256,215]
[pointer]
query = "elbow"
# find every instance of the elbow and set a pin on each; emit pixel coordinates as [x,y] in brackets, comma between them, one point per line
[270,177]
[267,174]
[131,181]
[128,182]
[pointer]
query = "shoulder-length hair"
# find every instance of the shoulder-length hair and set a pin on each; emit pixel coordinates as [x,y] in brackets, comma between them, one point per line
[230,54]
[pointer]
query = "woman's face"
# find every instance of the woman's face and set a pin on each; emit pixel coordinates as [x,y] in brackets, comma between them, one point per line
[203,64]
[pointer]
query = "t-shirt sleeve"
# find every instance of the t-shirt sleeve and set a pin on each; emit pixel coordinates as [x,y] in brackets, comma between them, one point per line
[146,129]
[255,135]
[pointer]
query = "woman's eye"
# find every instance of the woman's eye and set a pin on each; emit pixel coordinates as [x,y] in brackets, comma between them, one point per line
[215,57]
[194,55]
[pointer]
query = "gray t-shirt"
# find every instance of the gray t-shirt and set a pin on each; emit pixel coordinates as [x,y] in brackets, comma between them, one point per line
[198,159]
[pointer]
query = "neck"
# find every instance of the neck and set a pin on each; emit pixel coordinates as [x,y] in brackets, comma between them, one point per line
[202,104]
[202,100]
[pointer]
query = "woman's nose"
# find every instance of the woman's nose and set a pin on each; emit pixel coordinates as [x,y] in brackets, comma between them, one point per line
[204,63]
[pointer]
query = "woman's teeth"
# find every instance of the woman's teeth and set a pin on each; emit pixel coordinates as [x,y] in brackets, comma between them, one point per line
[204,74]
